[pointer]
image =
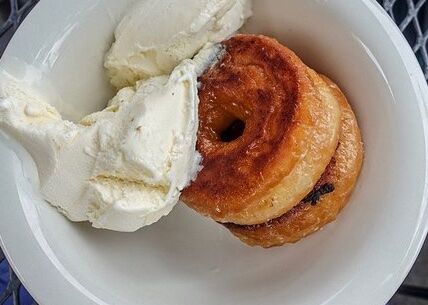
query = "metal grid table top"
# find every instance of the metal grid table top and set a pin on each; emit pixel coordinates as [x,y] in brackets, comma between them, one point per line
[410,15]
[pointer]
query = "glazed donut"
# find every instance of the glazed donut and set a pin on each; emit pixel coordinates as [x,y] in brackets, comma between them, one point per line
[268,128]
[328,197]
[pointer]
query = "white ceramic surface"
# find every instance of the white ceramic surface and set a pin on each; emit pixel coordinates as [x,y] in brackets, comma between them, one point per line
[362,258]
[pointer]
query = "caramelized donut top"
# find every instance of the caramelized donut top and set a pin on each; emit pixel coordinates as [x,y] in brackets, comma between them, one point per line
[248,101]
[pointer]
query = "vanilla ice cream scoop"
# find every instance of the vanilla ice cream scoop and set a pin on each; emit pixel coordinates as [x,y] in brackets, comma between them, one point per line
[124,167]
[121,168]
[157,35]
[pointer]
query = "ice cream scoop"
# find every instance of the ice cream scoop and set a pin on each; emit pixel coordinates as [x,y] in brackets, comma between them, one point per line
[157,35]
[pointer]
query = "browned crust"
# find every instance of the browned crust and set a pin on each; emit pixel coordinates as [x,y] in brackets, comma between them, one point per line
[305,218]
[264,84]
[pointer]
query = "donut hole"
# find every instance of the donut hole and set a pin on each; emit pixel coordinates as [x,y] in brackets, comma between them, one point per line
[232,131]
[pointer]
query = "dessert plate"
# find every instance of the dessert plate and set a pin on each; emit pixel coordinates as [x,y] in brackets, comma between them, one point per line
[362,258]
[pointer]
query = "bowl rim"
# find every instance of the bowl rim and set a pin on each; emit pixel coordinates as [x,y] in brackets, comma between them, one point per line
[420,88]
[62,285]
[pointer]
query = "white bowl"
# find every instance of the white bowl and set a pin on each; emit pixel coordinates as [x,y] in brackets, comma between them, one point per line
[361,258]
